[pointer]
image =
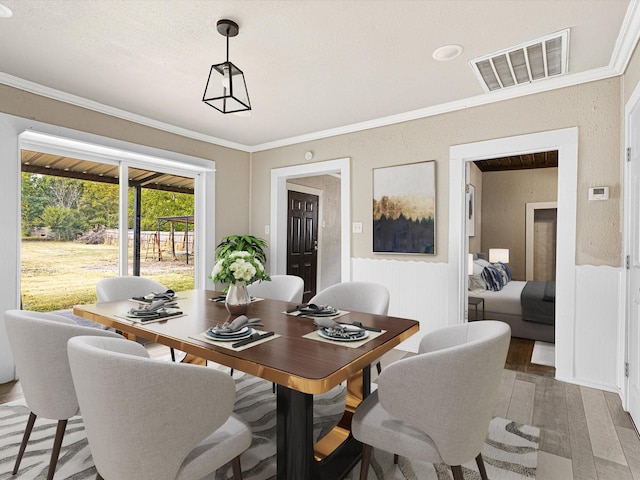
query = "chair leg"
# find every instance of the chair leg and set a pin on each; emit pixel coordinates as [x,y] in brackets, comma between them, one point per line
[25,440]
[395,458]
[379,368]
[231,373]
[173,354]
[237,471]
[457,472]
[366,459]
[57,443]
[481,469]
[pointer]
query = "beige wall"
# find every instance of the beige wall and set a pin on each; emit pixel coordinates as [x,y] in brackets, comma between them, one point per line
[232,197]
[504,199]
[593,107]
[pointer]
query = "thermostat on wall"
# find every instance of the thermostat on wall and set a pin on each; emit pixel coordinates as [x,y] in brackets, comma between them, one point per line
[599,193]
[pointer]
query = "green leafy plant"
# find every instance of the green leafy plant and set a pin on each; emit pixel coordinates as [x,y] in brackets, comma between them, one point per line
[248,243]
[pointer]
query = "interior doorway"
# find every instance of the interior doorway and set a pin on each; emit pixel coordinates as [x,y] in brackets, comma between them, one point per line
[279,195]
[565,141]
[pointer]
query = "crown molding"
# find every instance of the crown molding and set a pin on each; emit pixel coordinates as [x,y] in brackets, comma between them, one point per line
[567,80]
[627,39]
[78,101]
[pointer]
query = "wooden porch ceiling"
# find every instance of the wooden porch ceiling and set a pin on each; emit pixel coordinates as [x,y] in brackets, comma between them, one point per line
[519,162]
[61,166]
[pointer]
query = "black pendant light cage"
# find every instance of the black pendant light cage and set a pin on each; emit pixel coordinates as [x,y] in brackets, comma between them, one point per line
[226,89]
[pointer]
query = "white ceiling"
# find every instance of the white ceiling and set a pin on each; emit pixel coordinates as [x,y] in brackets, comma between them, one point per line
[313,68]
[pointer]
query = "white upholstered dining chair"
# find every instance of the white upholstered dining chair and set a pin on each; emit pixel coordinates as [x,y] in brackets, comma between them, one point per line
[288,288]
[121,288]
[151,420]
[436,406]
[38,342]
[367,297]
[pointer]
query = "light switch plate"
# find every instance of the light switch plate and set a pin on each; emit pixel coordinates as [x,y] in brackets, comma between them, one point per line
[356,227]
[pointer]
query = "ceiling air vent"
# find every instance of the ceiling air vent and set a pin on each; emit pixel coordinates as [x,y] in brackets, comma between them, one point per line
[530,62]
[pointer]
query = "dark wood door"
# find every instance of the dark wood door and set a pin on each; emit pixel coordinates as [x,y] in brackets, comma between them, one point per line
[302,239]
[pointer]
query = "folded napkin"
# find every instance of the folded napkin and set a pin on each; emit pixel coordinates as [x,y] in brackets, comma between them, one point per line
[155,308]
[315,310]
[238,324]
[151,297]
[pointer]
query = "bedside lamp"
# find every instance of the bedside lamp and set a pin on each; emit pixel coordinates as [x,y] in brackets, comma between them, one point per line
[499,255]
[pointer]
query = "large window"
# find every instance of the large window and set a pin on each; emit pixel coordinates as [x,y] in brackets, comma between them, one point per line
[73,210]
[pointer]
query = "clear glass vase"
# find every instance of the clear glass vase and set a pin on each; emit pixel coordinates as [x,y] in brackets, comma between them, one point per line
[237,300]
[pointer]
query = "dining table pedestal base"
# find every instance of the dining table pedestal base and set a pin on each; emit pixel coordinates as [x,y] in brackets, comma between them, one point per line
[335,454]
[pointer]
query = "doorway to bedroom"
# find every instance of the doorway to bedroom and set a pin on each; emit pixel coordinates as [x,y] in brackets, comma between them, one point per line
[512,239]
[505,190]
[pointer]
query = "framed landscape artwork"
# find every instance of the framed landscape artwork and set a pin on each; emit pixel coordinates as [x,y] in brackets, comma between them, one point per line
[404,208]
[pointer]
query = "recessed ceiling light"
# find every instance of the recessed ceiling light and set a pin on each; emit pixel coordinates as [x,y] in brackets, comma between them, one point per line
[5,12]
[448,52]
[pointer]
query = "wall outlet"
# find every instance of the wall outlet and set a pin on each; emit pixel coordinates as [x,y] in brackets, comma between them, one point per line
[266,229]
[356,227]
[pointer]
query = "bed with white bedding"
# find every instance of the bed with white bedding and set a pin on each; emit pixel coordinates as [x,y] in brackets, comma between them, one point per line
[528,307]
[505,305]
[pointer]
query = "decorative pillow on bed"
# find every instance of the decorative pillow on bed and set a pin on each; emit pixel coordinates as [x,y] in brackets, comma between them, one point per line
[476,282]
[478,266]
[504,271]
[493,278]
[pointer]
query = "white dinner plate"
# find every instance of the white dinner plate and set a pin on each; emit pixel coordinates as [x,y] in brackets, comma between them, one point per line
[229,337]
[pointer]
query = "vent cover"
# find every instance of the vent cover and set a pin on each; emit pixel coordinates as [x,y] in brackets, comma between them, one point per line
[530,62]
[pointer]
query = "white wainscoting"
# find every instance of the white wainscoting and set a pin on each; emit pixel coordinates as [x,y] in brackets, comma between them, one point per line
[597,329]
[418,291]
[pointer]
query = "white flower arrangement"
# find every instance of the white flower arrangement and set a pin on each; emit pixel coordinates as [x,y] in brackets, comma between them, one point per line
[238,267]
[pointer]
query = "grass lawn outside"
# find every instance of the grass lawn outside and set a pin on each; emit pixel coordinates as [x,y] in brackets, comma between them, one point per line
[58,275]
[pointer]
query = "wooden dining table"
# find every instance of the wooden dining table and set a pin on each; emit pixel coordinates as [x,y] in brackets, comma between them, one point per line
[300,364]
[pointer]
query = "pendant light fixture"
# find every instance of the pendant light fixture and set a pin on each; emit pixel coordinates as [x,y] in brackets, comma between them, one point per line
[226,89]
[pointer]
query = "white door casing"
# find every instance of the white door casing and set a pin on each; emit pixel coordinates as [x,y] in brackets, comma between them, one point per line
[566,142]
[632,248]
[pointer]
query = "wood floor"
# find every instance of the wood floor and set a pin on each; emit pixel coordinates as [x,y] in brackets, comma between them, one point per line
[584,433]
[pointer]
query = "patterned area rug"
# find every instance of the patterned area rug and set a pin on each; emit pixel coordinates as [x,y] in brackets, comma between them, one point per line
[510,452]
